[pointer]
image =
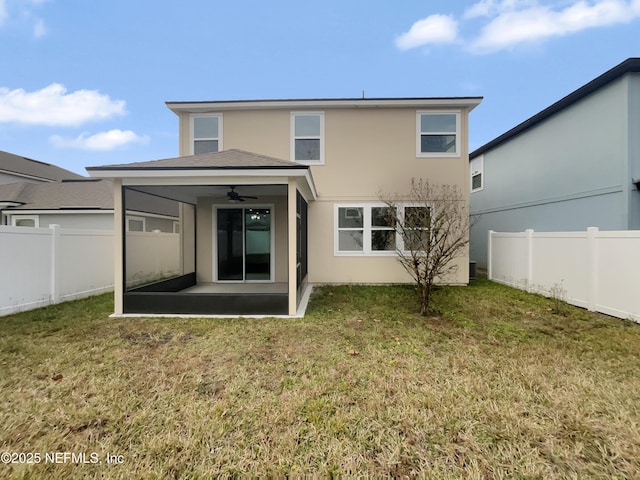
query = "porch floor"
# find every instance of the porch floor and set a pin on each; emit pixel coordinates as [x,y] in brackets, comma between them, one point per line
[203,301]
[237,288]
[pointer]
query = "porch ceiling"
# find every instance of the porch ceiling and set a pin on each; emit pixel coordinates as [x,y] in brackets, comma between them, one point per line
[190,193]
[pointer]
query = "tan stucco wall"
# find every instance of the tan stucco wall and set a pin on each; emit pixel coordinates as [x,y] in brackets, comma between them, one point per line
[367,151]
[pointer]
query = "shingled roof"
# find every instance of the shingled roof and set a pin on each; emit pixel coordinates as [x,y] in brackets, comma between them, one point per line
[34,169]
[227,159]
[68,194]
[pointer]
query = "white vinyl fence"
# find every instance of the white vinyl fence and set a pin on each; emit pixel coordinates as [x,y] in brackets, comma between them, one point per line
[43,266]
[593,269]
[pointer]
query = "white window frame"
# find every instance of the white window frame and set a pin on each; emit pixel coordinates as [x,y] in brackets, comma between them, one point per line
[214,256]
[16,218]
[403,206]
[192,138]
[476,167]
[419,152]
[367,229]
[136,219]
[313,137]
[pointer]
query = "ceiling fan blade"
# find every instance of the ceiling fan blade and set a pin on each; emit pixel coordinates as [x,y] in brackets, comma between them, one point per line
[247,196]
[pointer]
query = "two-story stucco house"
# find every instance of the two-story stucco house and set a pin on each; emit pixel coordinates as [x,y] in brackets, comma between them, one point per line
[574,165]
[276,194]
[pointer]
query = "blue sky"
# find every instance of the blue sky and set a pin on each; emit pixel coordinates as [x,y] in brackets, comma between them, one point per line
[84,82]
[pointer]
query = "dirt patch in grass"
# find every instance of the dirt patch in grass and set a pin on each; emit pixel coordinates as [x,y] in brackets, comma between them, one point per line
[496,386]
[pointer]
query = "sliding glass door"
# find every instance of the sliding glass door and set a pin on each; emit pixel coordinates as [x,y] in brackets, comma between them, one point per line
[244,244]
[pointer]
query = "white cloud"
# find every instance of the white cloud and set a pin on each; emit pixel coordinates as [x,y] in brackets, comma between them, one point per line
[39,29]
[509,23]
[21,12]
[3,11]
[488,8]
[430,30]
[53,106]
[513,27]
[102,141]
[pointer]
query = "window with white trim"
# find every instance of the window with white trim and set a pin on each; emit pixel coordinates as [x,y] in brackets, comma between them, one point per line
[350,231]
[307,137]
[383,232]
[371,230]
[476,168]
[416,220]
[25,221]
[206,133]
[135,224]
[438,134]
[367,229]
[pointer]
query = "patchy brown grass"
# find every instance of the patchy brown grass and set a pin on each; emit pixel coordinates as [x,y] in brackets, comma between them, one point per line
[496,387]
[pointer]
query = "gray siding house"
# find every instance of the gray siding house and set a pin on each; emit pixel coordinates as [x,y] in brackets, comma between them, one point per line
[574,165]
[38,194]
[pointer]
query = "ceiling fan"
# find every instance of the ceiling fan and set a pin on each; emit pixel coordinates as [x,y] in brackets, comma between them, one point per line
[234,196]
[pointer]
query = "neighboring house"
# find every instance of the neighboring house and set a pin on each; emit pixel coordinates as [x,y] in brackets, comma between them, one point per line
[14,168]
[37,194]
[275,194]
[574,165]
[80,203]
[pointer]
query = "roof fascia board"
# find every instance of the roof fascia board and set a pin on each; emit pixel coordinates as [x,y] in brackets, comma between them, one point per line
[312,185]
[197,173]
[25,175]
[439,102]
[208,180]
[49,211]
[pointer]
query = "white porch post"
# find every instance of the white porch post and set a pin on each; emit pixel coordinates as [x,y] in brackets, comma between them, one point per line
[118,254]
[292,225]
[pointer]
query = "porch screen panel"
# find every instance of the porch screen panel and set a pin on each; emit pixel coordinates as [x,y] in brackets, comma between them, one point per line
[302,239]
[157,244]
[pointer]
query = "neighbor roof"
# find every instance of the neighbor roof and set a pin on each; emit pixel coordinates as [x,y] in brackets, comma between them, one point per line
[630,65]
[68,194]
[227,159]
[34,169]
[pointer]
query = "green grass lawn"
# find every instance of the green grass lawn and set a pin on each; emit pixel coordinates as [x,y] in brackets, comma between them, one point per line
[498,386]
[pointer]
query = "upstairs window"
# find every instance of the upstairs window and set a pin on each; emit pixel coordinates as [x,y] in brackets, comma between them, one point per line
[307,137]
[438,134]
[477,174]
[206,133]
